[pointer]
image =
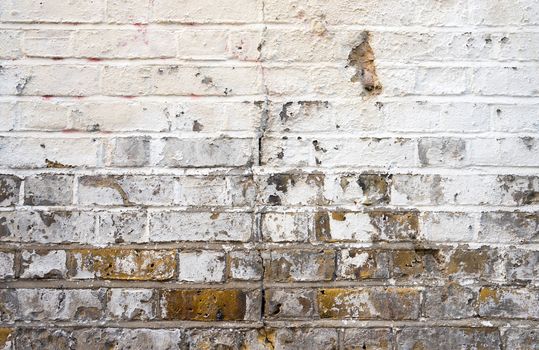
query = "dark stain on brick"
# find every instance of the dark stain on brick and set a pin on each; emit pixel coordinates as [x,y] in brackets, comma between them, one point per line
[375,187]
[322,227]
[284,112]
[197,126]
[205,305]
[395,225]
[362,59]
[54,164]
[108,182]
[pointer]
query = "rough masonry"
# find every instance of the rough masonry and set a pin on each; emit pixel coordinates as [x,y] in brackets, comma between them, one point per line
[269,174]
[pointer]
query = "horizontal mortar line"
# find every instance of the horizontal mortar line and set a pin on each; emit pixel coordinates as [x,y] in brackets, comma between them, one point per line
[468,170]
[227,61]
[89,284]
[286,323]
[192,135]
[188,135]
[260,25]
[126,171]
[228,246]
[265,64]
[464,98]
[377,323]
[270,170]
[151,324]
[262,208]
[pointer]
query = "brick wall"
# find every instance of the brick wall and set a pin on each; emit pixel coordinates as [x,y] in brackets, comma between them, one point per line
[269,174]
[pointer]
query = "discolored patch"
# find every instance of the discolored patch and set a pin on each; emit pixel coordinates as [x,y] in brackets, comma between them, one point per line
[124,264]
[204,305]
[361,57]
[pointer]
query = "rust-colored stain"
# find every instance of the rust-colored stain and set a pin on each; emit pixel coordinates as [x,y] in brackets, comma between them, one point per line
[338,216]
[404,225]
[362,58]
[57,165]
[487,294]
[376,188]
[468,261]
[5,336]
[126,264]
[204,305]
[267,337]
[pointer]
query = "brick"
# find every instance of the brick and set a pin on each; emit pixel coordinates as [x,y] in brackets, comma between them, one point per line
[47,226]
[299,265]
[77,305]
[7,261]
[244,265]
[204,305]
[163,80]
[289,303]
[37,115]
[9,190]
[504,13]
[50,80]
[425,81]
[522,265]
[358,264]
[131,304]
[285,227]
[54,43]
[369,303]
[520,339]
[368,13]
[41,338]
[137,338]
[516,303]
[202,266]
[127,11]
[520,151]
[216,191]
[47,189]
[296,338]
[76,11]
[11,44]
[291,189]
[6,338]
[205,12]
[166,226]
[226,338]
[199,153]
[515,118]
[518,81]
[136,43]
[509,226]
[129,152]
[367,189]
[203,44]
[21,152]
[447,338]
[43,264]
[122,227]
[367,338]
[450,302]
[442,152]
[123,264]
[448,226]
[126,190]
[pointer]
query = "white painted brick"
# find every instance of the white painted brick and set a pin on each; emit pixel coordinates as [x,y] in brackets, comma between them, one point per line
[134,43]
[286,227]
[504,12]
[46,115]
[10,44]
[131,304]
[515,118]
[128,11]
[202,266]
[370,12]
[176,80]
[210,44]
[72,11]
[169,226]
[206,11]
[215,191]
[47,80]
[48,43]
[339,153]
[49,152]
[517,81]
[245,46]
[7,265]
[50,264]
[521,151]
[448,226]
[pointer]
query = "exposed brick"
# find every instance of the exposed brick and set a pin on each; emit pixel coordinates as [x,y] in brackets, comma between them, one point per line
[131,304]
[9,190]
[289,303]
[43,264]
[202,266]
[447,338]
[369,303]
[367,338]
[123,264]
[47,189]
[358,264]
[508,302]
[204,305]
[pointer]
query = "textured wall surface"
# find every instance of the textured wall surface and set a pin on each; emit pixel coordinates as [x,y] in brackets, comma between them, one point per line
[269,174]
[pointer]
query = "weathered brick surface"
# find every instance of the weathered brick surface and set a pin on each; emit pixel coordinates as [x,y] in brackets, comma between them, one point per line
[269,174]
